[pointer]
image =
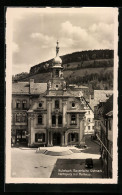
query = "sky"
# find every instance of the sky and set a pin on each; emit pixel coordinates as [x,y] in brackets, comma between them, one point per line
[35,31]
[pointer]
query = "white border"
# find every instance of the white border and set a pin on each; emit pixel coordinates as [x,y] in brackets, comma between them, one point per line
[8,178]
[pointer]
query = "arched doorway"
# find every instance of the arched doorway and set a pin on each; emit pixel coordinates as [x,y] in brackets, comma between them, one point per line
[56,139]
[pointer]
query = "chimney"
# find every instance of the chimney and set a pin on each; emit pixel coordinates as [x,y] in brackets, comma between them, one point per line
[31,85]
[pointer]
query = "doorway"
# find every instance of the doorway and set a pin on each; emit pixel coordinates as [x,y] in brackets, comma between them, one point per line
[21,136]
[56,139]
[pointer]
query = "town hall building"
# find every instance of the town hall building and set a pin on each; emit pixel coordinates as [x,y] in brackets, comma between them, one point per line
[48,114]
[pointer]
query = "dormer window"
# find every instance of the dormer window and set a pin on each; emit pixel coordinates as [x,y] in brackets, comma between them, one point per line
[73,104]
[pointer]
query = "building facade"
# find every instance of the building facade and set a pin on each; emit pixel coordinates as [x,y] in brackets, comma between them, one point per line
[49,114]
[104,133]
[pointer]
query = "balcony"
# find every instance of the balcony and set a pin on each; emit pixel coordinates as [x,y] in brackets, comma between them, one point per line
[58,125]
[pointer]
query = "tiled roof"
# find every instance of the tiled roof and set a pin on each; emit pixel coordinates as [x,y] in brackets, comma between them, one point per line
[20,88]
[75,93]
[24,88]
[39,88]
[100,96]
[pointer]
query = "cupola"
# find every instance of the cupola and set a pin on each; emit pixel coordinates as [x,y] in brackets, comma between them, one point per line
[57,60]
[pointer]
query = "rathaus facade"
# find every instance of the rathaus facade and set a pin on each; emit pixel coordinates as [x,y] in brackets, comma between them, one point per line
[48,114]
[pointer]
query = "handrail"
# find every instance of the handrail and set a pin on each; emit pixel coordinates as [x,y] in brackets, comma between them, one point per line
[104,147]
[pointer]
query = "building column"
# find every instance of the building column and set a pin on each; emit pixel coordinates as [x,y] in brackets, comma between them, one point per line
[66,138]
[29,131]
[62,139]
[48,141]
[51,138]
[81,130]
[31,134]
[64,113]
[32,131]
[49,114]
[56,120]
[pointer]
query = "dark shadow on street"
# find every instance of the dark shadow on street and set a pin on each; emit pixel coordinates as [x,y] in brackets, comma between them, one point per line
[92,146]
[75,168]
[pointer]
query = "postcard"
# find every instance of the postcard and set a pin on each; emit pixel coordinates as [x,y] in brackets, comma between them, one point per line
[61,95]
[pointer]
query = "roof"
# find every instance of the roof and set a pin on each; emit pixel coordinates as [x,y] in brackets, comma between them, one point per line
[108,106]
[105,109]
[20,88]
[25,88]
[38,88]
[100,96]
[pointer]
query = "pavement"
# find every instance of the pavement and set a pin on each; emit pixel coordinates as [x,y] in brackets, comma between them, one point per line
[27,163]
[75,168]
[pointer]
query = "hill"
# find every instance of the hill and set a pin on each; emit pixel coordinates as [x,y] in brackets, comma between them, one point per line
[83,59]
[94,78]
[93,69]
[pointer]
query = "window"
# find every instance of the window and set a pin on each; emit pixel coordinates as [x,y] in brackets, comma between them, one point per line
[88,112]
[57,104]
[60,120]
[53,120]
[73,119]
[89,120]
[24,104]
[73,104]
[40,105]
[40,137]
[57,73]
[73,137]
[56,86]
[18,117]
[92,127]
[109,124]
[88,127]
[18,104]
[40,119]
[23,117]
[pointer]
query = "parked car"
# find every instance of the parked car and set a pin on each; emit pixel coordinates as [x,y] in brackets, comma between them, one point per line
[89,163]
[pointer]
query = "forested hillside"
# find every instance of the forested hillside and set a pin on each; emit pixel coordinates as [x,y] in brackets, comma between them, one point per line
[83,59]
[90,68]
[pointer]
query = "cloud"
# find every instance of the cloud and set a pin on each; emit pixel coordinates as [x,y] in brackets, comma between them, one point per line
[73,32]
[36,32]
[102,31]
[97,36]
[45,40]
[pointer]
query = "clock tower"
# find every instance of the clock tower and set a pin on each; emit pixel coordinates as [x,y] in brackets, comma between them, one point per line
[57,82]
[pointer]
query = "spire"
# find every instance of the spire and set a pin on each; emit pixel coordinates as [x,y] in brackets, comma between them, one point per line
[57,59]
[57,48]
